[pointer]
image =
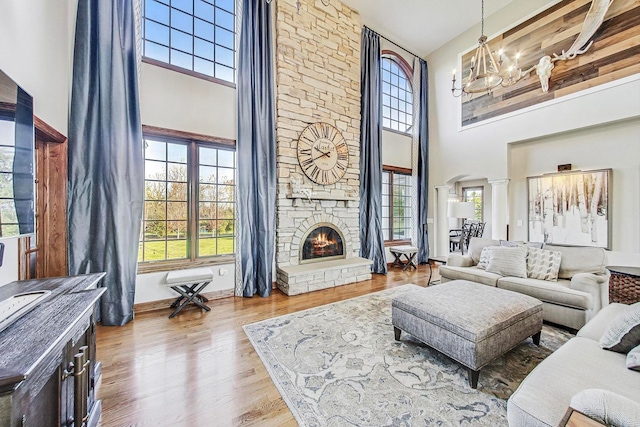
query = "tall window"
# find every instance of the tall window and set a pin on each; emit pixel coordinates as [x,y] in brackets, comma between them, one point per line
[396,205]
[189,200]
[397,96]
[474,194]
[197,35]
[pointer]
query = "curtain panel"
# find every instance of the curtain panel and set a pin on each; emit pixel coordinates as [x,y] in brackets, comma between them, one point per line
[423,165]
[371,238]
[106,181]
[256,148]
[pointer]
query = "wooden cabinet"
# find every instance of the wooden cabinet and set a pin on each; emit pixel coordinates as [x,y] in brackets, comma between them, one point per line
[48,368]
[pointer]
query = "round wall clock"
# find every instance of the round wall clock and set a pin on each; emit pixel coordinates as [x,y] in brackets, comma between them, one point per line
[323,153]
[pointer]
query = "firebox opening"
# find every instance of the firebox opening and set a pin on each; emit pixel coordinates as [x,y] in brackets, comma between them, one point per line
[322,243]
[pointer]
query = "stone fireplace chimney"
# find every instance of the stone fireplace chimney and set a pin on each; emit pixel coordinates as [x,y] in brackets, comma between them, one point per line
[318,81]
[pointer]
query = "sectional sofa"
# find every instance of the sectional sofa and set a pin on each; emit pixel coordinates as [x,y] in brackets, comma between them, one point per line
[581,290]
[581,375]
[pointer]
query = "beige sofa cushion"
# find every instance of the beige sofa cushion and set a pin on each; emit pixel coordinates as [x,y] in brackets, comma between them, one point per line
[473,274]
[579,260]
[475,247]
[553,292]
[579,364]
[596,327]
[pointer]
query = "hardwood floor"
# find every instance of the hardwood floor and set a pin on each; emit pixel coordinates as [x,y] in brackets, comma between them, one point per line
[200,368]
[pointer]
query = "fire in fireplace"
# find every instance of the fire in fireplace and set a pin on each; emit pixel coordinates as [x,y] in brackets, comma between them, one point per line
[321,243]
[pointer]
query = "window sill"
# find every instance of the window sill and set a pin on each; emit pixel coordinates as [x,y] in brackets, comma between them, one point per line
[187,72]
[391,243]
[407,134]
[183,264]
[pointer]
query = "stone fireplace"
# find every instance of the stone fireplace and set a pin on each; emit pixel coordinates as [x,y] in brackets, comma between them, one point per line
[323,242]
[318,80]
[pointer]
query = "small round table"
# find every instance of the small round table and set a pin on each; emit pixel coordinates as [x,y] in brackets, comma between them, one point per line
[624,284]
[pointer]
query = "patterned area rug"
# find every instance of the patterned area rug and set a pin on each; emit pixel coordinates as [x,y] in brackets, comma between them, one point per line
[339,365]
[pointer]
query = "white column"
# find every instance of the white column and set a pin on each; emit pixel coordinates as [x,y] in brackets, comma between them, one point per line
[441,238]
[499,208]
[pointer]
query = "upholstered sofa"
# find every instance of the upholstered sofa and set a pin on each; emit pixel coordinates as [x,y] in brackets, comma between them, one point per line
[583,376]
[581,290]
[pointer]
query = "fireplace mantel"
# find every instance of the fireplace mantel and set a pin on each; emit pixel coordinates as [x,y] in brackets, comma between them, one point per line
[322,196]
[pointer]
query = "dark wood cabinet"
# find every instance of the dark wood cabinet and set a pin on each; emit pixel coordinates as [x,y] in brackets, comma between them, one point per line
[48,368]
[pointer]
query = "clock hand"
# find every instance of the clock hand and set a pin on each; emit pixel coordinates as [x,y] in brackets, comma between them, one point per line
[321,155]
[327,154]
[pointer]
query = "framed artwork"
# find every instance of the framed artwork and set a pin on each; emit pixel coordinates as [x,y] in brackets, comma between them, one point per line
[570,208]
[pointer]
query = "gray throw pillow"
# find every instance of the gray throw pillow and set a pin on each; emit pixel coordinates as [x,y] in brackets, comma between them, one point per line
[508,261]
[485,255]
[633,359]
[607,407]
[623,333]
[513,244]
[543,264]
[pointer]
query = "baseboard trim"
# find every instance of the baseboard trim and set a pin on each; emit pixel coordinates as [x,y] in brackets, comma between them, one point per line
[145,307]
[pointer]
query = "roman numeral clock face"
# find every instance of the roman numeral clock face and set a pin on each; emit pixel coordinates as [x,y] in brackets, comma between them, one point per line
[323,153]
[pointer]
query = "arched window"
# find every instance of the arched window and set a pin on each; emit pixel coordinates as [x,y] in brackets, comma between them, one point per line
[397,94]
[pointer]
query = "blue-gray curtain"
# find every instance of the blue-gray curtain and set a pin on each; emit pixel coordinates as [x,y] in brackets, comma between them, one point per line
[371,239]
[423,165]
[106,154]
[256,148]
[23,170]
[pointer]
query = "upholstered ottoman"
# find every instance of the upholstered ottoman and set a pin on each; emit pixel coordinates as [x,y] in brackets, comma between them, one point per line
[469,322]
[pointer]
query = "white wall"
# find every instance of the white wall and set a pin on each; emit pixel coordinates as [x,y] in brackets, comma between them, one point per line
[36,51]
[483,150]
[396,149]
[614,145]
[173,100]
[9,269]
[151,287]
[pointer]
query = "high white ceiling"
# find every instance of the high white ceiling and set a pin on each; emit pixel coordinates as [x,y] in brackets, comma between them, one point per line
[422,26]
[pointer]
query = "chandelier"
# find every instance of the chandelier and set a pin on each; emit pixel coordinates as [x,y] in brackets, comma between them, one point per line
[484,73]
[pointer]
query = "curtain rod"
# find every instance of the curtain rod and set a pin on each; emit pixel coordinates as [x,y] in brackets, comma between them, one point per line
[394,43]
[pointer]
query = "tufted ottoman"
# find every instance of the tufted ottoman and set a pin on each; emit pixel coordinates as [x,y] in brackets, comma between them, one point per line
[469,322]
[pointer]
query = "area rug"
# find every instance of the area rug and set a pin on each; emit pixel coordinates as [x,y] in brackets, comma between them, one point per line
[339,365]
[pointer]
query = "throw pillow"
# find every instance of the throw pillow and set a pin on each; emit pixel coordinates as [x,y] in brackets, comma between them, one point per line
[543,264]
[623,332]
[485,255]
[508,261]
[633,359]
[607,407]
[512,244]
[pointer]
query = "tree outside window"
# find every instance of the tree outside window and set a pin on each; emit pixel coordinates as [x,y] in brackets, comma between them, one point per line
[189,200]
[474,194]
[397,222]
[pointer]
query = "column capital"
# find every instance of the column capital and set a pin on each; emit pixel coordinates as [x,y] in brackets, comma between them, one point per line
[502,181]
[439,187]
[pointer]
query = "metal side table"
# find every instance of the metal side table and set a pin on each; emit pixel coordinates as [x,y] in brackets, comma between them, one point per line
[435,259]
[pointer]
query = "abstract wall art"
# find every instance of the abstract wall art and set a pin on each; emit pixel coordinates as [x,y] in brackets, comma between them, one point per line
[571,208]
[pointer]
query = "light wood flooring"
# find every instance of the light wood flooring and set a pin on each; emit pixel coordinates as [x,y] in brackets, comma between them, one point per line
[199,369]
